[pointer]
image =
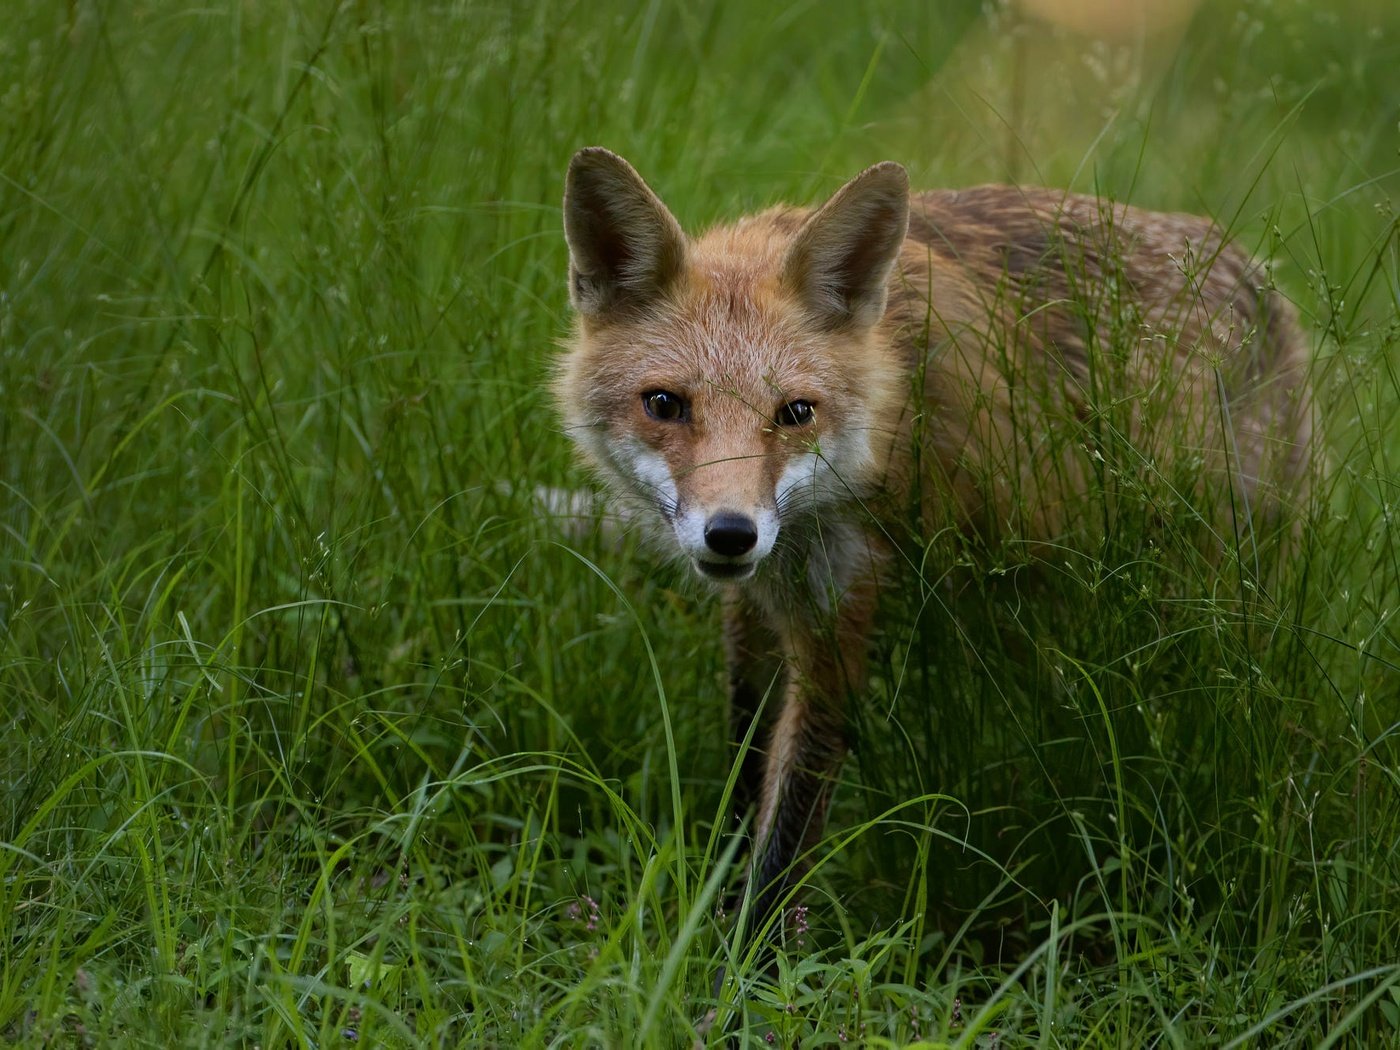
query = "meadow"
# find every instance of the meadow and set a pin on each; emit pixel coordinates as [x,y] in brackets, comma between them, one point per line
[316,730]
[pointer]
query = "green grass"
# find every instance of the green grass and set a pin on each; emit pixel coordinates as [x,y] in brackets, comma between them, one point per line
[314,729]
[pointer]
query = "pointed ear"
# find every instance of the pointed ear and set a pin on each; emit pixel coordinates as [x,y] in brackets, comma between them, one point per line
[625,248]
[839,265]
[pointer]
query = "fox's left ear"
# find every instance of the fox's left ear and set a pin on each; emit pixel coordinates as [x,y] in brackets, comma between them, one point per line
[625,248]
[839,265]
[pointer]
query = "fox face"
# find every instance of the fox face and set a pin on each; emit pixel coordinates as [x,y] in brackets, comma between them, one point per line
[733,386]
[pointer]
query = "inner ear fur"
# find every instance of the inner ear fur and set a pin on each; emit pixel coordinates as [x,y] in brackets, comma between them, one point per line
[625,247]
[839,265]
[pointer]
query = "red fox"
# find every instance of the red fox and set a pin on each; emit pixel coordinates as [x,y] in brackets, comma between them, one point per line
[780,399]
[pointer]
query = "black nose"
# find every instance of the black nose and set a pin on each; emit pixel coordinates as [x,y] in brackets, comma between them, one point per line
[730,534]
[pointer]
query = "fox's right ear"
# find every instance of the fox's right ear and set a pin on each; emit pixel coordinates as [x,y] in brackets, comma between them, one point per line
[625,248]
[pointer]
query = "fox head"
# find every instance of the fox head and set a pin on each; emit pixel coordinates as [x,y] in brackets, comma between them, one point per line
[739,383]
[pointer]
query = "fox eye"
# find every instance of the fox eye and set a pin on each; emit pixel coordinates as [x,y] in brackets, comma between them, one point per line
[665,406]
[796,414]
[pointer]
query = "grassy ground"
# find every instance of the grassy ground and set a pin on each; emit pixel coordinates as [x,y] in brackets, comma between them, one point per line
[313,730]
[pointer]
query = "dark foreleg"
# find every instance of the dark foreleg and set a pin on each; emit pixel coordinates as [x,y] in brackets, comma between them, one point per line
[804,754]
[755,681]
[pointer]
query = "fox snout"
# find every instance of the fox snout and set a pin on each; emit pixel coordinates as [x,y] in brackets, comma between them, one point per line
[731,538]
[726,544]
[731,535]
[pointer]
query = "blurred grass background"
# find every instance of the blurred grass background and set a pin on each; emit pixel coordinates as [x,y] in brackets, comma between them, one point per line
[315,729]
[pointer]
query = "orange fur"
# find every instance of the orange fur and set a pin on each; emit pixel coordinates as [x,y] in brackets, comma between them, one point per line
[964,354]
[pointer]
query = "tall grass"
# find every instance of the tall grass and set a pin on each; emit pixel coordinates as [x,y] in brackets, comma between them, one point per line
[315,729]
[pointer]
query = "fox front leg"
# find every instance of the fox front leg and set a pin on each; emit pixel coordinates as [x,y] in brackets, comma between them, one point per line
[755,670]
[805,750]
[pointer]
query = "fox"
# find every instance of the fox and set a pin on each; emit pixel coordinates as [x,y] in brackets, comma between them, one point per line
[784,402]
